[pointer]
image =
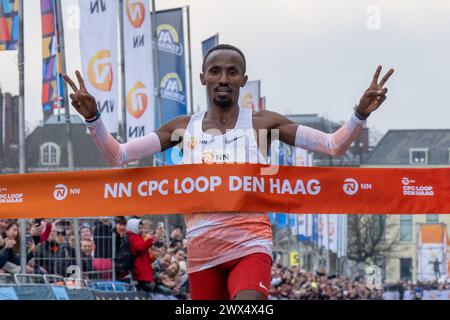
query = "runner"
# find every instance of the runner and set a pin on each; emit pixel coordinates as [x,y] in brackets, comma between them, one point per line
[229,254]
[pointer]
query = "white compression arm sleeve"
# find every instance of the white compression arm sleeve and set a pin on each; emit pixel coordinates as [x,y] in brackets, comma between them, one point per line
[335,144]
[116,153]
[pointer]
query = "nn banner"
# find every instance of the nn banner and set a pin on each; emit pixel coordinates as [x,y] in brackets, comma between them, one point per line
[226,188]
[98,43]
[140,103]
[250,95]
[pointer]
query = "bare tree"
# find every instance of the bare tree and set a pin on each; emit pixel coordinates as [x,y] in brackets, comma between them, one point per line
[370,237]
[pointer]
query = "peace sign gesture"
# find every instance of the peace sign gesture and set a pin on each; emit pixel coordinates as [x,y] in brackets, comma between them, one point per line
[82,101]
[375,95]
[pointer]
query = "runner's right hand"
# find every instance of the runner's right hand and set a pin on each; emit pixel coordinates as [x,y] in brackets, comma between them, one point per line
[82,101]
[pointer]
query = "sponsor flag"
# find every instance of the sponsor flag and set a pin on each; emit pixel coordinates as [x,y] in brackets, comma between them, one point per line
[172,71]
[140,103]
[342,235]
[9,24]
[52,86]
[209,43]
[98,43]
[250,95]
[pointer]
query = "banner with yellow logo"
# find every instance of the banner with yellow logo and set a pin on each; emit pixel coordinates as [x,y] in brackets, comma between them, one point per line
[98,44]
[250,94]
[139,84]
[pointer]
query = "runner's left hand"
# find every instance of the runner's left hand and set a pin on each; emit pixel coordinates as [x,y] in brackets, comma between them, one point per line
[375,95]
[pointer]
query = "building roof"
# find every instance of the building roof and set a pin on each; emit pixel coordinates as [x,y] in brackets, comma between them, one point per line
[61,119]
[394,148]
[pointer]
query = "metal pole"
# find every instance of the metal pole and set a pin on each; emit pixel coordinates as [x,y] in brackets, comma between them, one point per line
[113,239]
[61,55]
[122,71]
[76,233]
[1,130]
[156,68]
[70,160]
[22,163]
[191,100]
[158,93]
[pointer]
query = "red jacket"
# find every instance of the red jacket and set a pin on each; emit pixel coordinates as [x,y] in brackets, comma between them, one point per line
[142,268]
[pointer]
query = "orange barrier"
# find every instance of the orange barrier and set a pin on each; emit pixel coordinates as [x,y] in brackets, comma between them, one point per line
[225,187]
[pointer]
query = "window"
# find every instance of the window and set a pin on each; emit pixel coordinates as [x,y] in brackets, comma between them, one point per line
[418,156]
[406,227]
[50,154]
[405,268]
[432,218]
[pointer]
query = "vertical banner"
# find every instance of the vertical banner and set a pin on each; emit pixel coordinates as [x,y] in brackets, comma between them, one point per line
[302,228]
[9,24]
[98,43]
[302,157]
[209,43]
[172,68]
[431,252]
[138,57]
[332,232]
[342,235]
[323,230]
[250,95]
[52,87]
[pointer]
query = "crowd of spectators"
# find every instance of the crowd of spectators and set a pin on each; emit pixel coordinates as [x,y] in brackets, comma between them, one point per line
[143,256]
[292,283]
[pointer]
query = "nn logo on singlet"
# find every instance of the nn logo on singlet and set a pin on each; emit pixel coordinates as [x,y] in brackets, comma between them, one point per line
[213,156]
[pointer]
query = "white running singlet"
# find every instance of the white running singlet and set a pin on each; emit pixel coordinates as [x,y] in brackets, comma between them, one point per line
[215,238]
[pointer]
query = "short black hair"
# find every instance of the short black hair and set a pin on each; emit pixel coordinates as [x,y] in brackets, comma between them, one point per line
[224,46]
[120,220]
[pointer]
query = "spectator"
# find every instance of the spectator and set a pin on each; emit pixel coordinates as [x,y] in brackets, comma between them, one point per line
[87,250]
[36,231]
[139,245]
[3,223]
[52,255]
[160,232]
[177,234]
[123,257]
[159,268]
[179,257]
[10,251]
[175,245]
[86,232]
[160,248]
[71,250]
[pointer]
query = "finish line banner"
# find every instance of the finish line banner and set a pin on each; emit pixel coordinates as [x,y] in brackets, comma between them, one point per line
[225,188]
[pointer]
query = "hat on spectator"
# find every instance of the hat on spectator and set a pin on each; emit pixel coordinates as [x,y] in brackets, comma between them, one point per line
[85,225]
[133,225]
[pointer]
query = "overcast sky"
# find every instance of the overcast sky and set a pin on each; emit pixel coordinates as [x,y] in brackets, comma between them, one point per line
[312,56]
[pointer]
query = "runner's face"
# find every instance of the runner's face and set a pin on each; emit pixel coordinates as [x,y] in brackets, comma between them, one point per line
[223,77]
